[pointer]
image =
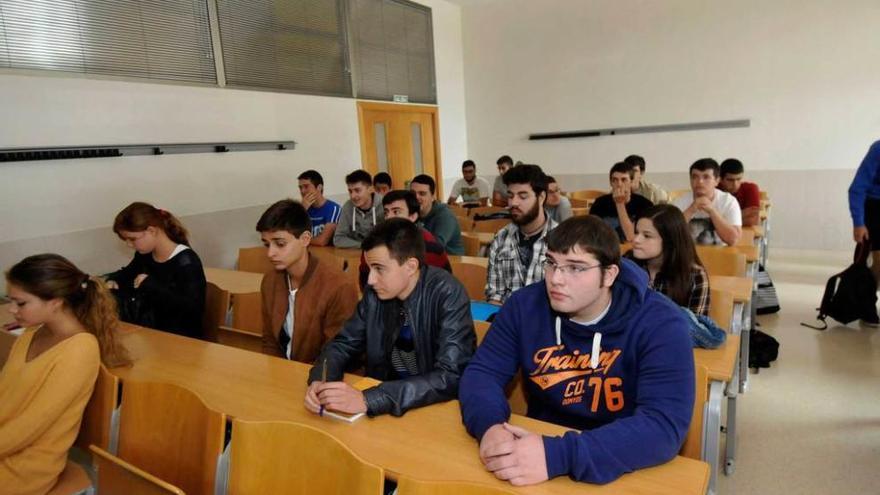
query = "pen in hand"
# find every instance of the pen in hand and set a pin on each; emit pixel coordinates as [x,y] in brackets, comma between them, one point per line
[323,380]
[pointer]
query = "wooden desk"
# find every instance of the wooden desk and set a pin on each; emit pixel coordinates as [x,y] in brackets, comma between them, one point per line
[485,238]
[427,443]
[720,362]
[476,260]
[346,253]
[234,281]
[740,287]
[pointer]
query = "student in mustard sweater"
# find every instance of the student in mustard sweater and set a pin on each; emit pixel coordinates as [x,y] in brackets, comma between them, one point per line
[50,373]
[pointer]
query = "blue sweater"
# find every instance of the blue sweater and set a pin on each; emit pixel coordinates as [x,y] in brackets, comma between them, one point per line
[866,184]
[635,406]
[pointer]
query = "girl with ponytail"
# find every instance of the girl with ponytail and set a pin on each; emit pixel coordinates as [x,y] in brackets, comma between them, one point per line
[70,320]
[164,285]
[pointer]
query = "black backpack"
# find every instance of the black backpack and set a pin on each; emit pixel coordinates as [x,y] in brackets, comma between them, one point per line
[851,294]
[763,349]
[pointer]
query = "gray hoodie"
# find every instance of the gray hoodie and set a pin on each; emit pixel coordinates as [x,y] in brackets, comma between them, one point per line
[354,224]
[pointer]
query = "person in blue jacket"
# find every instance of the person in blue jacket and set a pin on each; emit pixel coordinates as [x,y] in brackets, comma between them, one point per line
[864,205]
[598,351]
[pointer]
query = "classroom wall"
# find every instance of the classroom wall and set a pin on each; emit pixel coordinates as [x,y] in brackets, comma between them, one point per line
[803,71]
[67,206]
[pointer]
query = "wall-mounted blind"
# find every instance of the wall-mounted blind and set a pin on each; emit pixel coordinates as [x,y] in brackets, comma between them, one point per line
[291,45]
[156,39]
[394,50]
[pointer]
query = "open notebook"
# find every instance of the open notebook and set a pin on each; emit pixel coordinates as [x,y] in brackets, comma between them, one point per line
[362,384]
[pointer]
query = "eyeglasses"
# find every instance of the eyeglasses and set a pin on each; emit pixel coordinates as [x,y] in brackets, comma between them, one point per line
[551,266]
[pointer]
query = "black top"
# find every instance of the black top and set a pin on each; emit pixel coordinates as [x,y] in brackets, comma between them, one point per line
[171,298]
[605,209]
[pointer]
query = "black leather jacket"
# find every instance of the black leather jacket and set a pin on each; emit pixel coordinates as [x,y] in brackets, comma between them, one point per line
[444,340]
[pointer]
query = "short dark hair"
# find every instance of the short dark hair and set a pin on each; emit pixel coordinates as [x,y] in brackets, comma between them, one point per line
[359,175]
[551,180]
[635,161]
[622,168]
[589,233]
[312,176]
[527,174]
[704,164]
[504,159]
[403,239]
[287,215]
[382,178]
[408,197]
[426,180]
[468,163]
[732,166]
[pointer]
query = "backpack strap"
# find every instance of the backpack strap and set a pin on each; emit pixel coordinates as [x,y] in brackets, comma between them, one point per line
[863,249]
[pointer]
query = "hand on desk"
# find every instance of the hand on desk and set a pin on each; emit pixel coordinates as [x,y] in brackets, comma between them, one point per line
[514,454]
[335,396]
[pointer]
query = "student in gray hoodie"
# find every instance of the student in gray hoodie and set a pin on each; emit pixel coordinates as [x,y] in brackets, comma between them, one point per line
[360,213]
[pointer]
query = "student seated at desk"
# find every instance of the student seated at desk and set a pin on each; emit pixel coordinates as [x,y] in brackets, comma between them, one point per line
[164,285]
[382,183]
[621,207]
[499,188]
[473,190]
[360,213]
[305,300]
[51,370]
[403,204]
[713,215]
[436,216]
[664,248]
[323,212]
[640,185]
[599,352]
[557,206]
[413,324]
[747,194]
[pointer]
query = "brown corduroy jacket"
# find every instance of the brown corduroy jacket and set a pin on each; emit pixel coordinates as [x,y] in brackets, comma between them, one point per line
[324,301]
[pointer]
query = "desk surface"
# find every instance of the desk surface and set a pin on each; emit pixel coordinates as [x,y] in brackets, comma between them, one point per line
[721,361]
[485,238]
[258,387]
[740,287]
[234,281]
[476,260]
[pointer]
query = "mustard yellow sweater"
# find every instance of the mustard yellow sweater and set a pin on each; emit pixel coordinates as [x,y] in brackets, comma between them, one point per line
[41,407]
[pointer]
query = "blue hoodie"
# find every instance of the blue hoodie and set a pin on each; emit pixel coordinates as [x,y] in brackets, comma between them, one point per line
[866,184]
[634,398]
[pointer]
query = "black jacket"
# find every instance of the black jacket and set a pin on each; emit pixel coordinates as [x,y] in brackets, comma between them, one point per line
[444,340]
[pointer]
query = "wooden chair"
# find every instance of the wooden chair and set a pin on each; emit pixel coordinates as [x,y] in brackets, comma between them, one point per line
[280,457]
[458,210]
[329,256]
[693,442]
[216,308]
[253,259]
[481,327]
[466,224]
[579,212]
[723,262]
[747,238]
[673,195]
[491,226]
[72,481]
[410,486]
[117,477]
[246,331]
[590,194]
[486,210]
[100,421]
[473,277]
[580,203]
[168,431]
[721,308]
[515,390]
[471,245]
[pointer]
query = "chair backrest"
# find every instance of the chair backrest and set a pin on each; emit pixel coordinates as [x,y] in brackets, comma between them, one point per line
[168,431]
[721,308]
[97,423]
[247,312]
[590,194]
[491,226]
[693,442]
[580,203]
[253,259]
[282,457]
[722,261]
[328,255]
[72,481]
[515,390]
[747,238]
[481,327]
[410,486]
[473,277]
[673,195]
[466,224]
[117,477]
[216,308]
[579,212]
[471,245]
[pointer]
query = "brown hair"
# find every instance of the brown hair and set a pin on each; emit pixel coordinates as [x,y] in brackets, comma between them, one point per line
[679,252]
[137,216]
[51,276]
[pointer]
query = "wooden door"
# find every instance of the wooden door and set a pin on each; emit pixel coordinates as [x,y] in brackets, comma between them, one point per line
[402,140]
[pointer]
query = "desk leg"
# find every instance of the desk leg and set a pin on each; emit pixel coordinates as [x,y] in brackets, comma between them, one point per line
[744,346]
[738,317]
[732,391]
[712,432]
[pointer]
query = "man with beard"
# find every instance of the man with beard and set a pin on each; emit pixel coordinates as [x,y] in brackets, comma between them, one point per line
[517,253]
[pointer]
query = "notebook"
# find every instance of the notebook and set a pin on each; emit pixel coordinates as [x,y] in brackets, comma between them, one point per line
[362,384]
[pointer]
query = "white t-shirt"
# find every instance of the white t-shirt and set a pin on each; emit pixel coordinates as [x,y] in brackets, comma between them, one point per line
[471,193]
[702,229]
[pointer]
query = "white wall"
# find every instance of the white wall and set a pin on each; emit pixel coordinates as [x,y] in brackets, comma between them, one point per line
[67,205]
[803,71]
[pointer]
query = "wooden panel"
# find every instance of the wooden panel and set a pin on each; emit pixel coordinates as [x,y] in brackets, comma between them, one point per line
[247,314]
[590,194]
[466,224]
[471,246]
[481,328]
[740,287]
[216,307]
[97,417]
[721,361]
[719,261]
[580,203]
[234,337]
[693,443]
[169,432]
[473,277]
[721,307]
[117,477]
[234,281]
[283,457]
[253,259]
[409,486]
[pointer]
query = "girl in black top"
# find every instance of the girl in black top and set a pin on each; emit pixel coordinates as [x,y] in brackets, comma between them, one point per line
[164,285]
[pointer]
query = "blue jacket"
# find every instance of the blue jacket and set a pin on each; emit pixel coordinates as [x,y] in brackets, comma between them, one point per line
[866,184]
[634,402]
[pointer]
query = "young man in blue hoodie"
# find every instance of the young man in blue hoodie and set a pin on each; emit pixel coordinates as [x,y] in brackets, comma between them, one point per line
[599,352]
[864,206]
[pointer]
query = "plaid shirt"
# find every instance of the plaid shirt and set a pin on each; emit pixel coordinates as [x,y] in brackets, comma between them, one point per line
[698,302]
[506,273]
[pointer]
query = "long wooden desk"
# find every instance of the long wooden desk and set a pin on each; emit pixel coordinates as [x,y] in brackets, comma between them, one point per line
[427,443]
[234,281]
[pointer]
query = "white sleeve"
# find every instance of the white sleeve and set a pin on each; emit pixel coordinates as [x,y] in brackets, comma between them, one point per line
[731,211]
[455,192]
[485,188]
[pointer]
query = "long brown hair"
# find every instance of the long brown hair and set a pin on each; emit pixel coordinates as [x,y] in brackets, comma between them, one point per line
[679,252]
[138,216]
[51,276]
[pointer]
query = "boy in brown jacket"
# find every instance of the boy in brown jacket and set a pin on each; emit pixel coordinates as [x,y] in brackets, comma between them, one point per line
[305,301]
